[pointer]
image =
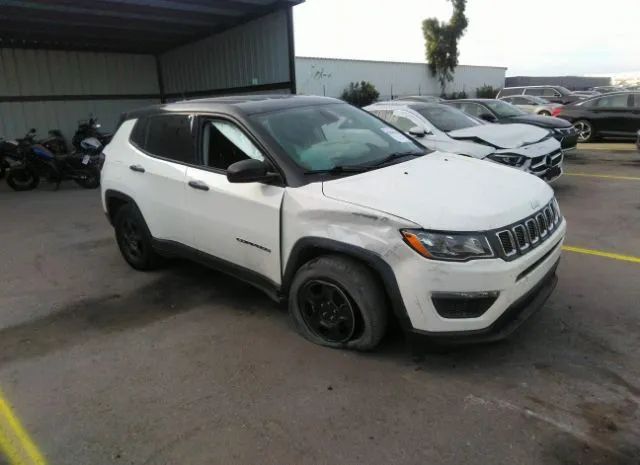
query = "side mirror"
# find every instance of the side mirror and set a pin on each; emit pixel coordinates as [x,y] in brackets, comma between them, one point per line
[488,117]
[246,171]
[417,131]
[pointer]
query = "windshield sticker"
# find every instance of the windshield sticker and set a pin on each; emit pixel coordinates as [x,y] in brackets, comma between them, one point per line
[397,135]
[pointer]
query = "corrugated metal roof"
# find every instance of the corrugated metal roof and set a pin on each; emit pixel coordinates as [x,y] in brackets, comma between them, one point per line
[135,26]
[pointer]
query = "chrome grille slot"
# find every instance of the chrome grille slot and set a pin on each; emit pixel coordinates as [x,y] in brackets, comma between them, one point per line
[508,245]
[549,217]
[519,238]
[520,234]
[532,229]
[542,224]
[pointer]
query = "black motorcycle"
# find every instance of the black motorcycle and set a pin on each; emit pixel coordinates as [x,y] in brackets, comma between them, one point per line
[87,129]
[36,162]
[13,151]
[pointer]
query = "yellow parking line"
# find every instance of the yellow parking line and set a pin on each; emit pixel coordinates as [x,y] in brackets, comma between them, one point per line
[604,176]
[15,442]
[599,253]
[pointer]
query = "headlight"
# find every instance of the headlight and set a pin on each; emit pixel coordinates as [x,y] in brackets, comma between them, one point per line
[448,246]
[506,159]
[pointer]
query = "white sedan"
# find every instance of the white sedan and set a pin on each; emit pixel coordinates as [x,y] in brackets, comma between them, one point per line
[441,127]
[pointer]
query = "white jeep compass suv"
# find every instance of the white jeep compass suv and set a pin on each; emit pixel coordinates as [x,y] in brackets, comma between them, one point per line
[327,207]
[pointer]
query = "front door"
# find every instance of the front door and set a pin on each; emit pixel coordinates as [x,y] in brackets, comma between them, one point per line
[613,115]
[237,223]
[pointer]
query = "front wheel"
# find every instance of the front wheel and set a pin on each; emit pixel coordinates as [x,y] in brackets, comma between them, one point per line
[585,130]
[23,179]
[90,179]
[338,302]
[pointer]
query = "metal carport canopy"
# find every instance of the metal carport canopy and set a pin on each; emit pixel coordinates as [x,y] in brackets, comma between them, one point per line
[132,26]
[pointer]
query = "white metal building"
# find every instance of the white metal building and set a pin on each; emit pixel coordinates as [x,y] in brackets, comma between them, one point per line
[63,60]
[330,76]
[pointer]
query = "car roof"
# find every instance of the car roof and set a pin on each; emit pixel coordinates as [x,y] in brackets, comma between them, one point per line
[477,100]
[414,105]
[245,104]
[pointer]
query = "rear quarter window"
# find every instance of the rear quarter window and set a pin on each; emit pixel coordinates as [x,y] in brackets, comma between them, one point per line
[512,91]
[166,136]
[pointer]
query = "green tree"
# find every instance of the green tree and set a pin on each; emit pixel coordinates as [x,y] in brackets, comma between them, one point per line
[360,94]
[441,42]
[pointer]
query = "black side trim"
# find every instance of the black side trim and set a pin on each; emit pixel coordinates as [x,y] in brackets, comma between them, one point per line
[292,52]
[175,249]
[228,91]
[310,247]
[111,194]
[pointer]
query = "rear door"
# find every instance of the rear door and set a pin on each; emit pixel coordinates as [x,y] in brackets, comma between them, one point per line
[613,115]
[237,223]
[634,120]
[162,148]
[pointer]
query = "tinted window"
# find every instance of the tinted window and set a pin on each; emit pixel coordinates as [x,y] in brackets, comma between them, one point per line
[224,144]
[139,132]
[322,137]
[550,93]
[612,101]
[520,101]
[535,91]
[447,118]
[513,91]
[170,137]
[636,102]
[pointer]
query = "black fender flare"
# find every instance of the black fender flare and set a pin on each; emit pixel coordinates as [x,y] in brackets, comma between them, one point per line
[110,194]
[308,248]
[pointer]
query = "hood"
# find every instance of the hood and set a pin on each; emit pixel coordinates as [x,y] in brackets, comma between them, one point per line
[547,122]
[446,192]
[504,136]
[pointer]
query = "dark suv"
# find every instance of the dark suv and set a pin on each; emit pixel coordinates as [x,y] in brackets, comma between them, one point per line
[555,94]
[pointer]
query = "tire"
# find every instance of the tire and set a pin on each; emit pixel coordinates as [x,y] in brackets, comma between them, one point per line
[3,168]
[134,239]
[585,131]
[544,113]
[23,179]
[353,304]
[92,181]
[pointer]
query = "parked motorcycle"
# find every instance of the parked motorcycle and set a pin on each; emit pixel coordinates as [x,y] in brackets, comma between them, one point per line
[87,129]
[39,162]
[13,151]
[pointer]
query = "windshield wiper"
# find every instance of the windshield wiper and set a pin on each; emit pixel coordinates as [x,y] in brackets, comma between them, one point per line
[341,169]
[395,156]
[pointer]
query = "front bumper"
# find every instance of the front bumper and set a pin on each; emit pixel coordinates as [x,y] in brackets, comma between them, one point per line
[521,286]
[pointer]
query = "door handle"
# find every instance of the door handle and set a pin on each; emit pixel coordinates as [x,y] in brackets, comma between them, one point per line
[201,186]
[137,168]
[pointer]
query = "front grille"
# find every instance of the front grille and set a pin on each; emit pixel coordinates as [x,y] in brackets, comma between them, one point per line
[523,236]
[540,165]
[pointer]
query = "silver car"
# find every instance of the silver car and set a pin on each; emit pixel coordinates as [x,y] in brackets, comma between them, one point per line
[532,104]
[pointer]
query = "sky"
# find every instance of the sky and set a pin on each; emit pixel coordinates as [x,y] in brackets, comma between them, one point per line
[529,37]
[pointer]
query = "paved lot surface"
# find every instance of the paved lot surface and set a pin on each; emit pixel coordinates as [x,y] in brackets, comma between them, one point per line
[104,365]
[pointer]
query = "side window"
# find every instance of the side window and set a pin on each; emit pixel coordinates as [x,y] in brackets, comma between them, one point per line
[613,101]
[402,122]
[636,102]
[509,99]
[512,91]
[139,133]
[385,115]
[223,144]
[170,136]
[550,93]
[521,101]
[534,91]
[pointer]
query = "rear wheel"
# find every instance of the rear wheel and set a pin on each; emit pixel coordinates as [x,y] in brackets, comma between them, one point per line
[4,166]
[23,179]
[585,130]
[337,302]
[134,239]
[544,113]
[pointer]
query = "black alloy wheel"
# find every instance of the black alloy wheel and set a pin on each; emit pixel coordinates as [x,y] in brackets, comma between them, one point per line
[327,311]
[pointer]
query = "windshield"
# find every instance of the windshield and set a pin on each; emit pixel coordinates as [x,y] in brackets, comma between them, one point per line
[504,109]
[325,137]
[447,118]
